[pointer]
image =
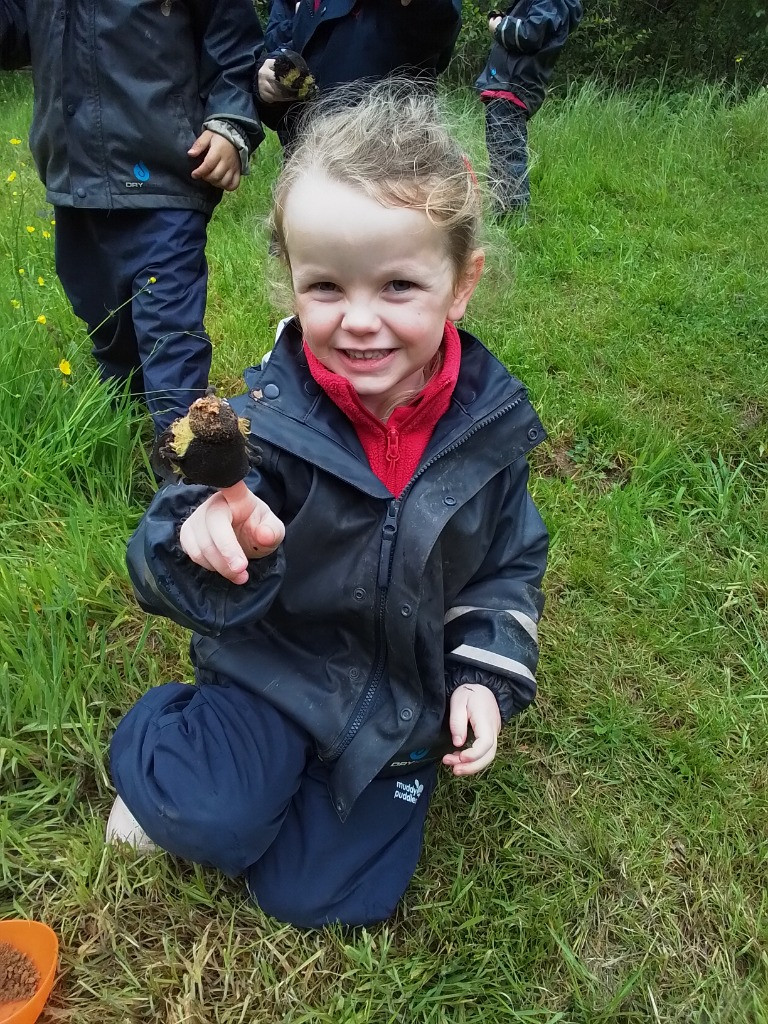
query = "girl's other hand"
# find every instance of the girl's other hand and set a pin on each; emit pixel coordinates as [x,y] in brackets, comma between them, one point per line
[493,24]
[473,705]
[228,529]
[270,90]
[221,162]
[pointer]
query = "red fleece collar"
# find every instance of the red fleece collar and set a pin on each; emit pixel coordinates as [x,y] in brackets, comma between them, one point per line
[394,449]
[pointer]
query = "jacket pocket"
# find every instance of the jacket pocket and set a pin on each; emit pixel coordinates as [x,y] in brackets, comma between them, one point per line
[183,122]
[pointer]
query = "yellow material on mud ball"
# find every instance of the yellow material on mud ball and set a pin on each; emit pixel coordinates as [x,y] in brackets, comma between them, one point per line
[293,75]
[207,446]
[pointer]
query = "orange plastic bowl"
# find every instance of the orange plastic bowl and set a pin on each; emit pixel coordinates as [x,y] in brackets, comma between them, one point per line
[39,943]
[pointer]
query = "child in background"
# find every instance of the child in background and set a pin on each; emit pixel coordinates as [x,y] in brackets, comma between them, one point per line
[527,42]
[143,114]
[370,593]
[345,41]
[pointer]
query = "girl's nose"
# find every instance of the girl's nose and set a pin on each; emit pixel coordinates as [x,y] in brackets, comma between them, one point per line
[360,317]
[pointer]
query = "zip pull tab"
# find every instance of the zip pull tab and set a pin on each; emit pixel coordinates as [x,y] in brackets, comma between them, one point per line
[393,445]
[388,534]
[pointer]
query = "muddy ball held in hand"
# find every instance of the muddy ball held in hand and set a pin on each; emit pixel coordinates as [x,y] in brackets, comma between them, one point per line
[207,446]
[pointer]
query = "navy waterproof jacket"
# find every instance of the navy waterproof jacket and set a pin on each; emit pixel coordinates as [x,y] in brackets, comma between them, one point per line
[373,609]
[528,41]
[348,40]
[122,88]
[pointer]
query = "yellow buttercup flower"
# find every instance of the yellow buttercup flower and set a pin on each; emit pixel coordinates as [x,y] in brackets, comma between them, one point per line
[41,281]
[30,229]
[46,234]
[15,142]
[22,271]
[152,280]
[15,303]
[65,368]
[11,176]
[41,319]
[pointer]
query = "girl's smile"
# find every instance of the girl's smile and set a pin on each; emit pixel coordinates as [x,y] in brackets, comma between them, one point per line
[374,286]
[368,354]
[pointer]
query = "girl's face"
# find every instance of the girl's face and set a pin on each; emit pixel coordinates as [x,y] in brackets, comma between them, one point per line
[374,286]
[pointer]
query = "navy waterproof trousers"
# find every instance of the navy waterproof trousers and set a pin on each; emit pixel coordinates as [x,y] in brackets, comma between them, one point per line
[506,139]
[150,332]
[216,775]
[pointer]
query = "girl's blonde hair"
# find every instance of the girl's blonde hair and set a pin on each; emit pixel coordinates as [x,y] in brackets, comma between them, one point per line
[389,141]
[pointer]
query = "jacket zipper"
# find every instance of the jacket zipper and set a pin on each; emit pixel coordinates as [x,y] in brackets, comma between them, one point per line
[480,425]
[386,553]
[388,535]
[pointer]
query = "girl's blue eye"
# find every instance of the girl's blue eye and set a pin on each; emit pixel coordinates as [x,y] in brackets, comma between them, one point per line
[401,286]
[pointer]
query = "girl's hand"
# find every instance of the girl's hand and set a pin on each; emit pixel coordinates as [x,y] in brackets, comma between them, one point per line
[270,90]
[474,705]
[493,24]
[221,163]
[228,529]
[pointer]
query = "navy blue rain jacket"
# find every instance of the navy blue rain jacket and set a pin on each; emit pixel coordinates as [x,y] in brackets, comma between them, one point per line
[122,88]
[348,40]
[345,40]
[528,41]
[373,609]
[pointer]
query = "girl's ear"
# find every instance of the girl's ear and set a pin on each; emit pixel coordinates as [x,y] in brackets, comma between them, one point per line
[467,284]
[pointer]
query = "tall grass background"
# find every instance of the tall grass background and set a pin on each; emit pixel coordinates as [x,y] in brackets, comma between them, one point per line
[611,865]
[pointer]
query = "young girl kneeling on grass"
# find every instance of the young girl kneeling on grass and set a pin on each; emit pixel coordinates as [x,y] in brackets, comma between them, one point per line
[371,592]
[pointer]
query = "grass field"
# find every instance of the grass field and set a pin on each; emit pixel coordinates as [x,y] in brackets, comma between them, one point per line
[611,867]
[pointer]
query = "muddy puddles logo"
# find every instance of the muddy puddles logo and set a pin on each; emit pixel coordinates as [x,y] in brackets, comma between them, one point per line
[408,792]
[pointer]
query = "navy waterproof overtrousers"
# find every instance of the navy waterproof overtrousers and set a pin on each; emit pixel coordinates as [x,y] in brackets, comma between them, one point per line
[216,775]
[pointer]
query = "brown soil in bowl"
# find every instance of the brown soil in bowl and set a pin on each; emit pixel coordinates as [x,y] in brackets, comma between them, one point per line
[19,977]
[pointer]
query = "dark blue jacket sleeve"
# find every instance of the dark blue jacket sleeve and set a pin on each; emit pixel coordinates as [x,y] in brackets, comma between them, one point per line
[439,21]
[166,582]
[14,39]
[530,26]
[436,20]
[232,44]
[280,24]
[491,631]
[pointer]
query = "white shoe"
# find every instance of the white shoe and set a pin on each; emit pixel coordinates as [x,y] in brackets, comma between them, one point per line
[122,827]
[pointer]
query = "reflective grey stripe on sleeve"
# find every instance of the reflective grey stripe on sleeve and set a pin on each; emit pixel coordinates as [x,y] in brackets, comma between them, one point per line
[506,23]
[488,659]
[525,621]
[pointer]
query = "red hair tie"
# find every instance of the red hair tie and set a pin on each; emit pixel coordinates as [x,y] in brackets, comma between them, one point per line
[470,170]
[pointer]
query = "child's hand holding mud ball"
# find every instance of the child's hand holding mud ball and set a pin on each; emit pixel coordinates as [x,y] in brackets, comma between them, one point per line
[208,446]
